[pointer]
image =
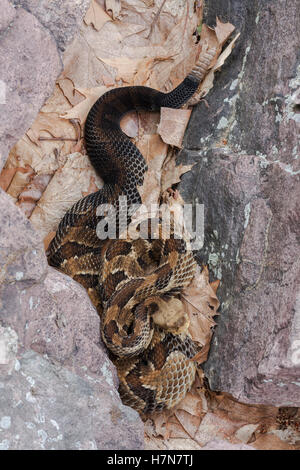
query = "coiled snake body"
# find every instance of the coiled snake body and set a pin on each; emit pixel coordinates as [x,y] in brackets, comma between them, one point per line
[128,279]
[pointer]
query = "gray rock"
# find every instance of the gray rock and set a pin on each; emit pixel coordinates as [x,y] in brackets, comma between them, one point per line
[247,177]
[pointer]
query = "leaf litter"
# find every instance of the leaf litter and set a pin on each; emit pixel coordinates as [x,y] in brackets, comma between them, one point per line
[151,43]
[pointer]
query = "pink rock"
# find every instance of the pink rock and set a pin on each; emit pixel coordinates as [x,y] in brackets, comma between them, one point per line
[34,35]
[7,14]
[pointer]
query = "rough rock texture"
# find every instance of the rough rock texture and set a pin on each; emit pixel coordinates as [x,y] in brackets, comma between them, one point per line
[58,388]
[247,176]
[62,18]
[33,35]
[7,15]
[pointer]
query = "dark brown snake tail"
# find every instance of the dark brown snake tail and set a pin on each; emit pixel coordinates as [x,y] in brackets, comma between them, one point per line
[154,365]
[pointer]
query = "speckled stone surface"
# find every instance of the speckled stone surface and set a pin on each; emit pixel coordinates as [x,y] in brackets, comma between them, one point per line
[58,387]
[46,406]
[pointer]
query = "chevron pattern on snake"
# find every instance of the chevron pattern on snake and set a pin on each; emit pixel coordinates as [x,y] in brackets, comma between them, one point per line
[127,279]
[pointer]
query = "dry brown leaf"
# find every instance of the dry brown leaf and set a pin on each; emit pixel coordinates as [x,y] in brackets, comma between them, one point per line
[131,52]
[45,158]
[58,102]
[69,91]
[50,125]
[134,57]
[272,442]
[48,239]
[127,67]
[243,413]
[156,427]
[172,125]
[212,426]
[175,429]
[189,422]
[191,404]
[20,179]
[246,433]
[227,51]
[214,285]
[208,81]
[189,412]
[32,193]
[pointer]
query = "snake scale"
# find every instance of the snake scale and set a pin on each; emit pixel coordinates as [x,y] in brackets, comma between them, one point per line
[127,279]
